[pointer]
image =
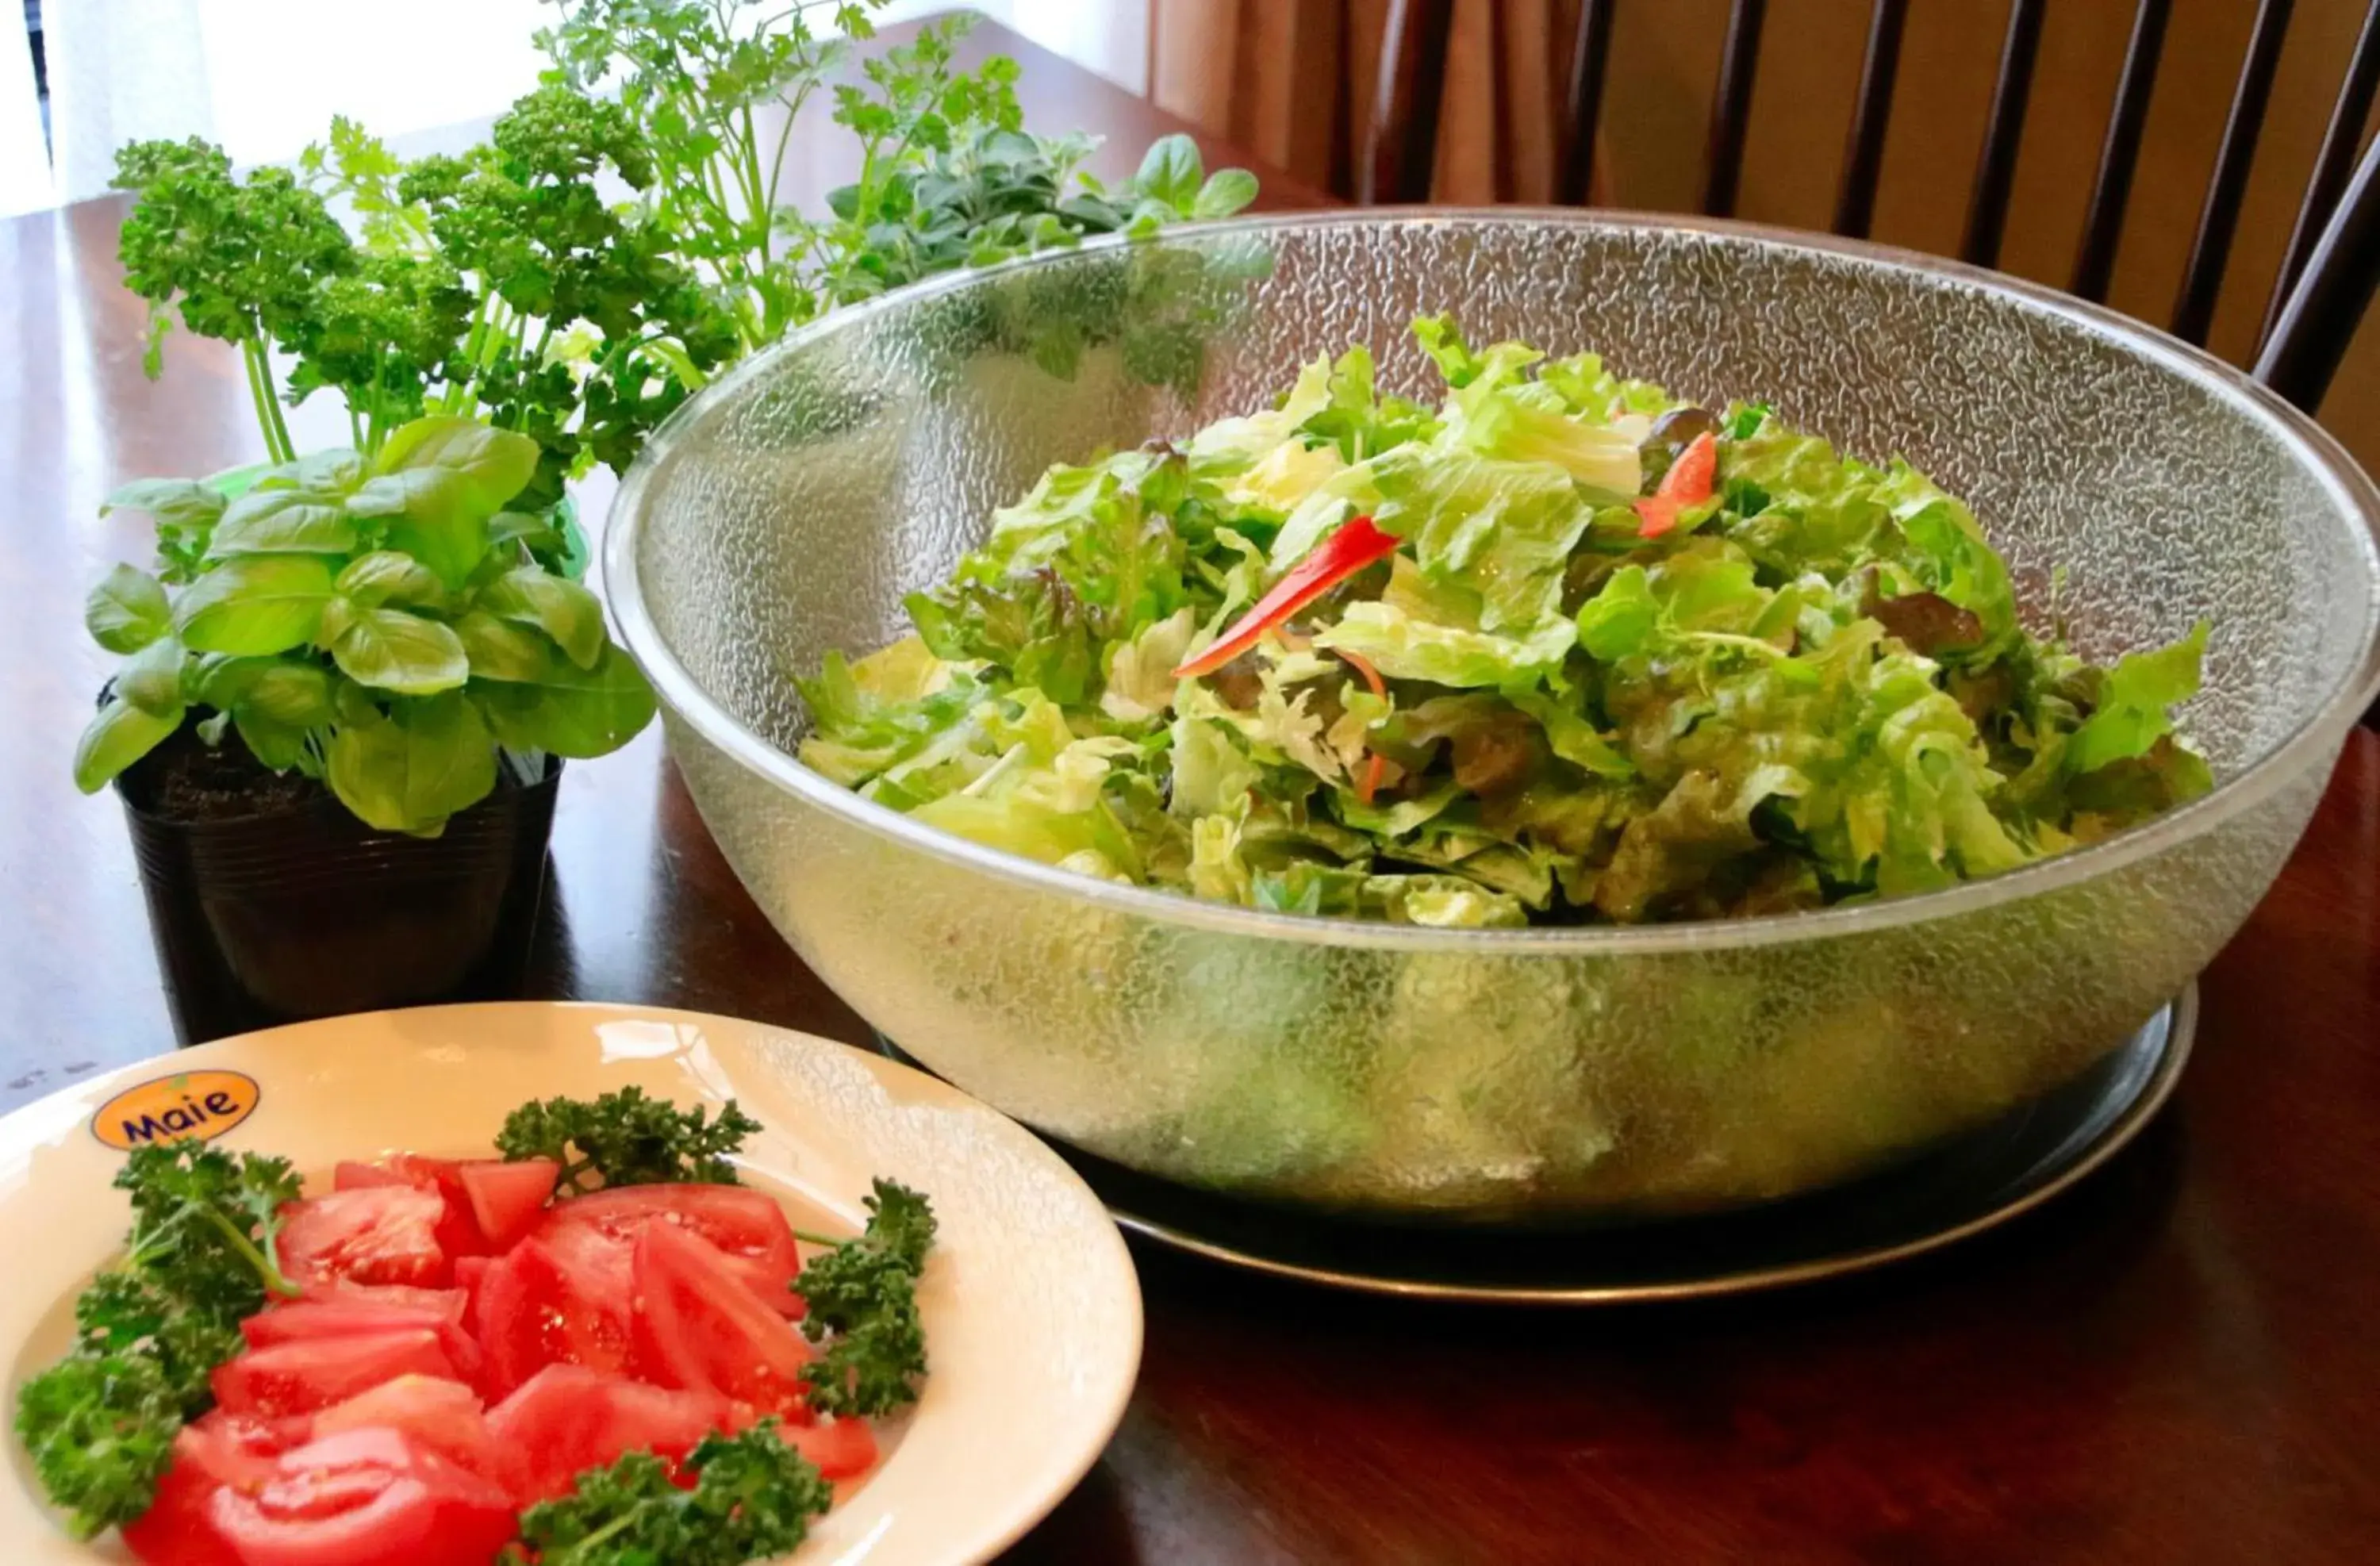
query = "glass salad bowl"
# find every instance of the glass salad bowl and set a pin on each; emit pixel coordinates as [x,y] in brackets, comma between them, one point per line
[1565,1074]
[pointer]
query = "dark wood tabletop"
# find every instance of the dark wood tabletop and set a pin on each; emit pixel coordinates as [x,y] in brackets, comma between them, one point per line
[2174,1363]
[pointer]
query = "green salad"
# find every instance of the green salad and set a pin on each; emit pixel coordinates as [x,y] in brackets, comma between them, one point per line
[1560,650]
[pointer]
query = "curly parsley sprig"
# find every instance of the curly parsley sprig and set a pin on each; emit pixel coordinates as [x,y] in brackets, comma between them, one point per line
[203,1257]
[752,1499]
[864,1291]
[626,1139]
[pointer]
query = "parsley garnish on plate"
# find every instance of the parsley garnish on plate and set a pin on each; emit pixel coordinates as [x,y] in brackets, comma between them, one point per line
[100,1423]
[626,1139]
[753,1499]
[864,1292]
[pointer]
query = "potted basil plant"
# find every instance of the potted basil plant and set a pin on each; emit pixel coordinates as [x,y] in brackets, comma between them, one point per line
[344,699]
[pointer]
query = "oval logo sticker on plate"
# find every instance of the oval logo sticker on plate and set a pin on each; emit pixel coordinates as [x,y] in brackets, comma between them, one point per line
[204,1104]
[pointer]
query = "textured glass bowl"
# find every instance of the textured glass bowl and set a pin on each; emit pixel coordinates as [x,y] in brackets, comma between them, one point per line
[1572,1075]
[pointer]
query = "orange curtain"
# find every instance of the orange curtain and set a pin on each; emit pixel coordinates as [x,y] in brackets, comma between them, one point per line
[1294,80]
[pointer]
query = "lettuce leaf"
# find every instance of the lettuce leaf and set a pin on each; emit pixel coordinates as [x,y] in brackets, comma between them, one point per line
[1500,530]
[2132,713]
[1403,648]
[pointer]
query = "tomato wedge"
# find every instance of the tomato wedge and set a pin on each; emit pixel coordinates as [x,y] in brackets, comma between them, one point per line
[567,1419]
[371,1235]
[238,1449]
[178,1529]
[352,1176]
[457,1229]
[307,1374]
[468,1272]
[506,1198]
[842,1448]
[366,1498]
[444,1416]
[1356,544]
[746,1227]
[352,1317]
[338,1291]
[535,1310]
[697,1325]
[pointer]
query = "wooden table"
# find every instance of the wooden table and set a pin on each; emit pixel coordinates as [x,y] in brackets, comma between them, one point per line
[2174,1364]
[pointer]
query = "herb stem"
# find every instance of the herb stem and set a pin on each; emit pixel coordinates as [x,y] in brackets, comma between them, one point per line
[260,391]
[274,1280]
[272,401]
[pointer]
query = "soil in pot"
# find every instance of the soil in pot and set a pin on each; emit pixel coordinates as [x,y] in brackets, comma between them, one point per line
[270,903]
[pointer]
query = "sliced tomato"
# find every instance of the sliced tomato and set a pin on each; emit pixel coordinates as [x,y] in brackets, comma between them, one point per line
[239,1449]
[605,1261]
[349,1318]
[371,1235]
[469,1271]
[334,1317]
[448,1302]
[307,1374]
[567,1419]
[697,1325]
[458,1231]
[535,1310]
[508,1196]
[351,1176]
[842,1448]
[445,1417]
[178,1529]
[746,1227]
[366,1498]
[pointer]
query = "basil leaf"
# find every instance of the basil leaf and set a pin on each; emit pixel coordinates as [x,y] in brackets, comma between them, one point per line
[532,533]
[410,771]
[386,577]
[441,480]
[392,650]
[296,695]
[220,681]
[152,679]
[326,475]
[126,611]
[119,736]
[281,522]
[488,466]
[501,650]
[571,711]
[432,517]
[255,604]
[561,608]
[279,746]
[183,502]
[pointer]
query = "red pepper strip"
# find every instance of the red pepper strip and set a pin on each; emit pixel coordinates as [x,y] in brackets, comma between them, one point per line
[1332,562]
[1688,483]
[1374,763]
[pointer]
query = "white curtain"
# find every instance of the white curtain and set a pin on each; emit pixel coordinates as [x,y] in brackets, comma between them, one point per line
[25,184]
[264,77]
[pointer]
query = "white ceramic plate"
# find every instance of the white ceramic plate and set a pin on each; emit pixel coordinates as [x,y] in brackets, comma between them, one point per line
[1031,1310]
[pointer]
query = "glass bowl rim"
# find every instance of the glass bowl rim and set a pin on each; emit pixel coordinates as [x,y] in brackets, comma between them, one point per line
[2352,690]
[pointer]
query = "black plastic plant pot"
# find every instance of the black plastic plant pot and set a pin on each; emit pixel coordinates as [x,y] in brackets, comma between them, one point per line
[303,911]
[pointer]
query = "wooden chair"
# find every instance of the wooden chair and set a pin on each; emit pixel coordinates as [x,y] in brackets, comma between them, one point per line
[2328,274]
